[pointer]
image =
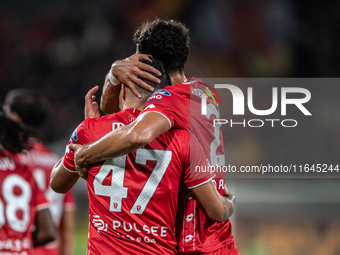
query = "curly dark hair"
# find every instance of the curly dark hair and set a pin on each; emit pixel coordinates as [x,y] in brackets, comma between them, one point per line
[12,135]
[166,40]
[29,104]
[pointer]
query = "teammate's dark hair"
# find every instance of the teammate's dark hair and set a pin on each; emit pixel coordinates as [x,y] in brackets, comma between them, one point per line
[29,104]
[12,135]
[164,78]
[166,40]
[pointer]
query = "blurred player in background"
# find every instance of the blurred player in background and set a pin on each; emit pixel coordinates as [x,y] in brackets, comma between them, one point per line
[25,220]
[133,198]
[176,106]
[29,109]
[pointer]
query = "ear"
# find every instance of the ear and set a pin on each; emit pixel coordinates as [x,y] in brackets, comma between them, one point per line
[122,91]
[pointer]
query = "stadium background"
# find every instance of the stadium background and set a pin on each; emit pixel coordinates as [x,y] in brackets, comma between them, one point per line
[65,47]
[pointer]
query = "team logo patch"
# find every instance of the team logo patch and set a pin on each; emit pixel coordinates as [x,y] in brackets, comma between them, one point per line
[162,92]
[74,135]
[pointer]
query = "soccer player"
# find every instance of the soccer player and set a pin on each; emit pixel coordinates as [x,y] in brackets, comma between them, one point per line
[28,108]
[25,220]
[175,107]
[133,198]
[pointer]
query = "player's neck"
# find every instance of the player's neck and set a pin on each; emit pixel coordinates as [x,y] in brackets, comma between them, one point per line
[136,104]
[177,78]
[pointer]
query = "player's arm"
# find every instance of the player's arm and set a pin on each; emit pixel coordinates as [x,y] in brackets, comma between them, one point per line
[45,231]
[66,231]
[218,208]
[109,102]
[62,180]
[121,141]
[126,71]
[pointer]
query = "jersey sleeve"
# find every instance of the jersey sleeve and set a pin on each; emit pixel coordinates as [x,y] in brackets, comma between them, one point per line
[169,104]
[77,137]
[196,165]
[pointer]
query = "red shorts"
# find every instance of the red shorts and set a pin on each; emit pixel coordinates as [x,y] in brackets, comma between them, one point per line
[229,249]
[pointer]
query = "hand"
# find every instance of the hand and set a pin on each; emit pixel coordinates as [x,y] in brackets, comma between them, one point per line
[127,71]
[91,106]
[81,167]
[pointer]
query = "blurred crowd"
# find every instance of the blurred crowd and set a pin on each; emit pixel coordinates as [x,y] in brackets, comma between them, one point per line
[64,48]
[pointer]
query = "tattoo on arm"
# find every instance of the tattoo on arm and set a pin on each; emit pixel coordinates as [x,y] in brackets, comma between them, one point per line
[228,208]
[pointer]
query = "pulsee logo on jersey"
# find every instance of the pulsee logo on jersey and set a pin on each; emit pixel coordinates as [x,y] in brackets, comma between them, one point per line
[295,96]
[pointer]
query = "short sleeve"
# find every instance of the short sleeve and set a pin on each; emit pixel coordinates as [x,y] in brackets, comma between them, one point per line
[171,105]
[195,173]
[77,137]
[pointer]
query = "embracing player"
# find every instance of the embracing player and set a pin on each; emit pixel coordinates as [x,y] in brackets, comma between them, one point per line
[133,198]
[28,108]
[23,207]
[176,106]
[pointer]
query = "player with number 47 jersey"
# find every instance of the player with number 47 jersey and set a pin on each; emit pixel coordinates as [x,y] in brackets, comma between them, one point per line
[133,198]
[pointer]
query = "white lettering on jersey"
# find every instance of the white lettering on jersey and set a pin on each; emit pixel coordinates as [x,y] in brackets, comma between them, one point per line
[221,184]
[116,224]
[131,227]
[163,231]
[155,97]
[15,244]
[7,164]
[15,202]
[134,225]
[189,217]
[127,230]
[188,238]
[116,125]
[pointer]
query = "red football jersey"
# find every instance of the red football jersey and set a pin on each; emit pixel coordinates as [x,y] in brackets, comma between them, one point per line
[20,199]
[181,104]
[40,161]
[133,198]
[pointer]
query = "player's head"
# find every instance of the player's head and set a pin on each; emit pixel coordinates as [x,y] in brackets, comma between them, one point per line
[164,81]
[166,40]
[26,106]
[12,136]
